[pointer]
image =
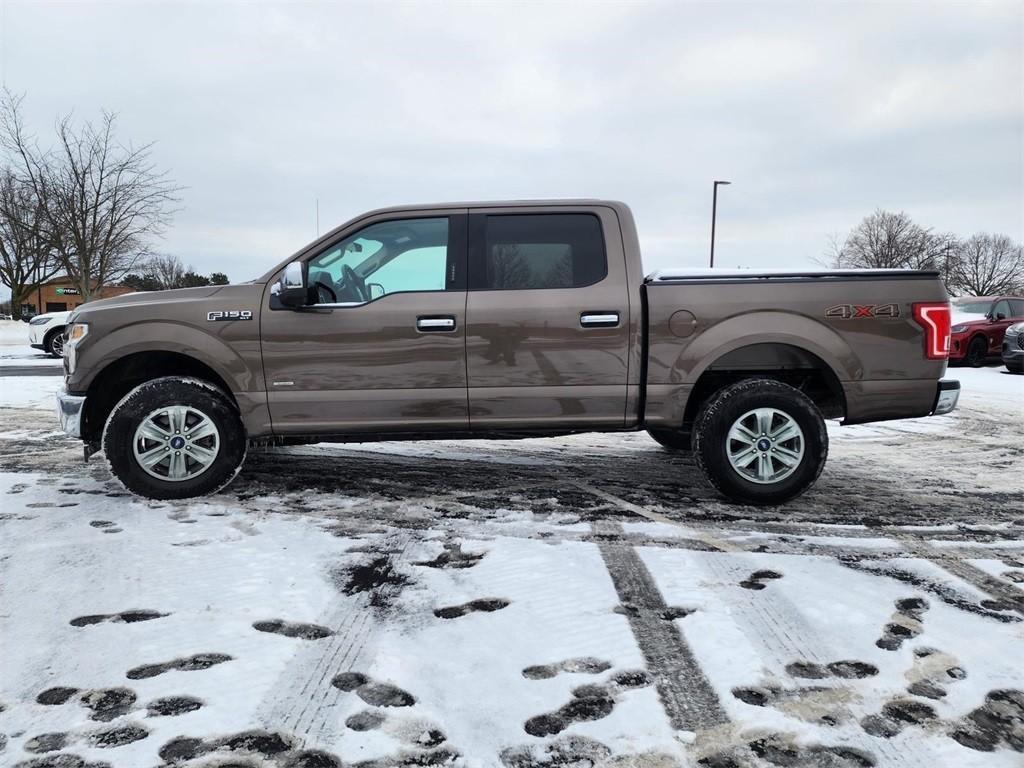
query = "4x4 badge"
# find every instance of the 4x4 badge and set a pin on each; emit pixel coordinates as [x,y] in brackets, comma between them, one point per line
[853,311]
[229,314]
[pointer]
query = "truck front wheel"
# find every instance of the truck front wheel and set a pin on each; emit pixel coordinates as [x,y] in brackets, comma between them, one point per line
[760,441]
[173,438]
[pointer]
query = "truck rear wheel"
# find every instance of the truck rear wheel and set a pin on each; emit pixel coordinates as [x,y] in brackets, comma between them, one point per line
[760,441]
[173,438]
[670,438]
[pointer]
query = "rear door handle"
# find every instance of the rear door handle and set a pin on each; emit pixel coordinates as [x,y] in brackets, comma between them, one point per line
[436,324]
[599,319]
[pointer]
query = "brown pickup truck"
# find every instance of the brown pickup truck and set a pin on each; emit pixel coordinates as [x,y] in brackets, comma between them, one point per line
[502,320]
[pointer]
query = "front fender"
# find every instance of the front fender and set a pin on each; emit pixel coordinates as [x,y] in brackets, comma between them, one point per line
[230,350]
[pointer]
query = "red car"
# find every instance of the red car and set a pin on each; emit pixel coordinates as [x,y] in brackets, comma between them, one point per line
[979,323]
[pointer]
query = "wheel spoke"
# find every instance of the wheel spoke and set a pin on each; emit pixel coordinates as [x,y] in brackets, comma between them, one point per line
[202,429]
[202,455]
[152,457]
[764,420]
[742,434]
[787,457]
[150,430]
[764,467]
[177,466]
[744,458]
[787,431]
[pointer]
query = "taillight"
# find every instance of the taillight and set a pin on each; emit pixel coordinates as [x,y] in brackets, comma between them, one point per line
[934,318]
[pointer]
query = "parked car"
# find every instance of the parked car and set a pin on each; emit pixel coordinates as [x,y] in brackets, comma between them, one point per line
[979,323]
[46,332]
[502,320]
[1013,348]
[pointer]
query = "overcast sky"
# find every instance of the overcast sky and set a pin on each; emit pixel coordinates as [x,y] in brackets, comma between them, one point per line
[817,112]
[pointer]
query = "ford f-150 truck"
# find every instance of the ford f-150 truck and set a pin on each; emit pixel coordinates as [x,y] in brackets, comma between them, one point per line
[502,320]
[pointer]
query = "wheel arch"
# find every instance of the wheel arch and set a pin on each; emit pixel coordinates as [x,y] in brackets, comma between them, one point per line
[121,376]
[787,361]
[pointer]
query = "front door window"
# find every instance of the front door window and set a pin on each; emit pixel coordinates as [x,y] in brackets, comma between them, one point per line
[383,259]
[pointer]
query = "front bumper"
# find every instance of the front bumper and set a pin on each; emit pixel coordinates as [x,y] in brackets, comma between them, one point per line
[69,411]
[947,394]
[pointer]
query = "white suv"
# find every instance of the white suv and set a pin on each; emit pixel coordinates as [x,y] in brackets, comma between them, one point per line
[46,332]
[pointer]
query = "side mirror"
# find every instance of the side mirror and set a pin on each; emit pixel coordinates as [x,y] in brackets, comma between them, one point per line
[376,290]
[291,288]
[1000,316]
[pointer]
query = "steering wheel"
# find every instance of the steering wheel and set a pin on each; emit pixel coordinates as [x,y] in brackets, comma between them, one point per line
[354,283]
[321,282]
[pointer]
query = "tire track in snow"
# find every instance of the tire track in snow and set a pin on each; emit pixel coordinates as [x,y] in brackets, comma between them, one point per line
[688,698]
[775,625]
[990,585]
[303,701]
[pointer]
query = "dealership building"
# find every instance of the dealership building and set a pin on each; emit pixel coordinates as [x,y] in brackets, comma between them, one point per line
[60,294]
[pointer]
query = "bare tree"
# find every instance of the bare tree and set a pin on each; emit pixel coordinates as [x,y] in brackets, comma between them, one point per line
[987,265]
[107,200]
[886,240]
[27,257]
[167,271]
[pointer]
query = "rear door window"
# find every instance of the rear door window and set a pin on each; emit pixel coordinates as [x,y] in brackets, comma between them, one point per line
[537,251]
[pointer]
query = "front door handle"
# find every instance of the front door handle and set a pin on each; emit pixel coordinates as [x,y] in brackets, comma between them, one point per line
[435,324]
[599,319]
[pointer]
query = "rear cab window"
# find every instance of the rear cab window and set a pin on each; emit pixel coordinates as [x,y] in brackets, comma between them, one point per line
[536,251]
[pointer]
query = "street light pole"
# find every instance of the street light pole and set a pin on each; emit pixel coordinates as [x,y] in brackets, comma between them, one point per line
[714,211]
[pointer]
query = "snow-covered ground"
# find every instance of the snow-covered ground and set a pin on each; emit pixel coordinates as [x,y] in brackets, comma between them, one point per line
[584,601]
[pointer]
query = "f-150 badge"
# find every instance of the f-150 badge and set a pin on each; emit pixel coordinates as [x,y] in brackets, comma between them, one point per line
[853,311]
[229,314]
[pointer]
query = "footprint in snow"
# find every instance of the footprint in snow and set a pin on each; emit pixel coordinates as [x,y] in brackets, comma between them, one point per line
[757,579]
[932,671]
[125,617]
[267,747]
[584,664]
[452,556]
[187,664]
[485,605]
[589,702]
[374,693]
[172,706]
[106,704]
[779,750]
[415,731]
[905,623]
[289,629]
[846,669]
[896,715]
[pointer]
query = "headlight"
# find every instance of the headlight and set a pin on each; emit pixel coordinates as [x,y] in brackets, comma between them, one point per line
[1015,330]
[39,320]
[76,332]
[958,329]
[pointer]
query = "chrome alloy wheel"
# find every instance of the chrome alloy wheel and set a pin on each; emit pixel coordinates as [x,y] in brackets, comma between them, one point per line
[176,442]
[765,445]
[57,344]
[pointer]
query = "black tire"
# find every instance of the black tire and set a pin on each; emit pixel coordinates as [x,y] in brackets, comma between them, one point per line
[725,408]
[977,352]
[53,344]
[672,439]
[127,415]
